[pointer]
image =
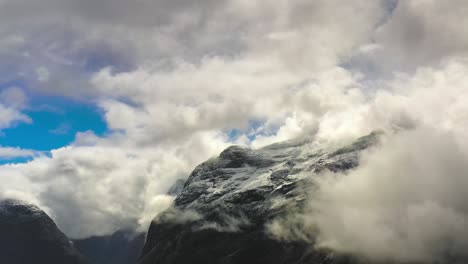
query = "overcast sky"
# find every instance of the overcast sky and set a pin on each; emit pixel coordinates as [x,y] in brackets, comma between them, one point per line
[104,104]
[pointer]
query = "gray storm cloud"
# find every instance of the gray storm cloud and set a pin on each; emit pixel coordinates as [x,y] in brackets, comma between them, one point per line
[174,77]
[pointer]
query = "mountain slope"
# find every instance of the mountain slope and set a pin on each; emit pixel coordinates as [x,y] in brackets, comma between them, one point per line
[28,235]
[222,213]
[122,247]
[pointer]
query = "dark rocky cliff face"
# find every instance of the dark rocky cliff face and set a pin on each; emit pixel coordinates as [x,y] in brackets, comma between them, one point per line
[222,212]
[28,235]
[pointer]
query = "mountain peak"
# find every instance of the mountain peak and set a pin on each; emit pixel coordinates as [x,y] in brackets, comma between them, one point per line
[29,235]
[234,197]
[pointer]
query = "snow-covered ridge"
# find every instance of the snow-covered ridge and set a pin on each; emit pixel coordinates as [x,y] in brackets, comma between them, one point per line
[225,207]
[245,181]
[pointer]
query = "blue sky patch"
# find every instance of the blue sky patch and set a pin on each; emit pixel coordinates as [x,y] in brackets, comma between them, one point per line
[56,120]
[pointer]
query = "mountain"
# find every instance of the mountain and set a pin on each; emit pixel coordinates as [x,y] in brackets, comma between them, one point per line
[28,235]
[224,208]
[122,247]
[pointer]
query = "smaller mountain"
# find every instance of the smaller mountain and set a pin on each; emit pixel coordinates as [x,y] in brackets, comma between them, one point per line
[122,247]
[29,235]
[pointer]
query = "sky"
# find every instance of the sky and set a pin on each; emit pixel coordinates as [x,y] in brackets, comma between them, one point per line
[105,104]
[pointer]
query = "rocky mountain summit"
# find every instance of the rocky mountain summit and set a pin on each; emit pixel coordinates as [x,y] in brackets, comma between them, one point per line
[225,207]
[28,235]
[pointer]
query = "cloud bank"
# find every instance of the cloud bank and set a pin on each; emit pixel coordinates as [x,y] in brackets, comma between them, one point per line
[405,202]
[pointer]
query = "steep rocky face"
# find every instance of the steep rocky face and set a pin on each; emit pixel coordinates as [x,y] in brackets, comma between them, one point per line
[221,214]
[28,235]
[122,247]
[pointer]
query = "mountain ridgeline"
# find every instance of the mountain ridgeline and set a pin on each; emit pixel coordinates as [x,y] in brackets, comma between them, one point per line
[222,214]
[224,210]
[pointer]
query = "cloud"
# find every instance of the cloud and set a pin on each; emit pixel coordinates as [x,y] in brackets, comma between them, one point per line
[57,45]
[406,197]
[165,105]
[420,33]
[14,97]
[62,129]
[405,201]
[12,101]
[10,153]
[43,74]
[10,116]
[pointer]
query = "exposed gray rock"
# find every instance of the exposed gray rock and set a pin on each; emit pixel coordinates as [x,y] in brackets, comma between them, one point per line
[177,188]
[234,197]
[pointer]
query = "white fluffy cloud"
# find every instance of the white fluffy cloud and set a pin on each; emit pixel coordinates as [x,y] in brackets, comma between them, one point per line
[407,196]
[9,116]
[405,202]
[9,153]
